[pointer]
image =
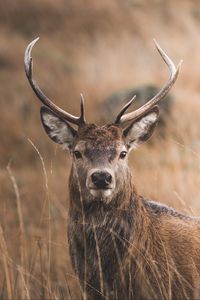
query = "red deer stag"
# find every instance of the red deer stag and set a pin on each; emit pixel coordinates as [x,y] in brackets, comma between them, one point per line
[122,246]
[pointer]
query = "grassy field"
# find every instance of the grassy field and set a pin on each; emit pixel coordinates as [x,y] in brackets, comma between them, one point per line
[96,48]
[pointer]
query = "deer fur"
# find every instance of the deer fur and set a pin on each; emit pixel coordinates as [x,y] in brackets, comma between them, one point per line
[124,246]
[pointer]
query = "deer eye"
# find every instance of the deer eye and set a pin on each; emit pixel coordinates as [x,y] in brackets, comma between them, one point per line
[77,154]
[122,154]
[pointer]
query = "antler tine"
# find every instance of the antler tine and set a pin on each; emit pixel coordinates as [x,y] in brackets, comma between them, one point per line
[124,108]
[82,116]
[28,63]
[132,116]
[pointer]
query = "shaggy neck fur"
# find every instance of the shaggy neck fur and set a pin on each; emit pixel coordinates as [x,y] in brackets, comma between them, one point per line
[96,228]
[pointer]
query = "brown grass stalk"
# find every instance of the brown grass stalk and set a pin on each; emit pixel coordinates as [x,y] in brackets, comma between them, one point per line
[7,269]
[49,211]
[21,232]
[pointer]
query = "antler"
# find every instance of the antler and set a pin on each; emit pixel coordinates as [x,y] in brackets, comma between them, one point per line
[28,63]
[132,116]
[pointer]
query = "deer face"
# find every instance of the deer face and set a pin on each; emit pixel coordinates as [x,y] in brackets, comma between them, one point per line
[99,153]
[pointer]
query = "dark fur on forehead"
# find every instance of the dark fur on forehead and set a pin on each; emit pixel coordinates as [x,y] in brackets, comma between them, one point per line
[92,132]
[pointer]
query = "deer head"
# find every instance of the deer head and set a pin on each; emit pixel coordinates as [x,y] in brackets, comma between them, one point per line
[100,168]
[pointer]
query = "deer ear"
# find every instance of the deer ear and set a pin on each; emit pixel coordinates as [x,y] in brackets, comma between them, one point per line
[56,128]
[142,129]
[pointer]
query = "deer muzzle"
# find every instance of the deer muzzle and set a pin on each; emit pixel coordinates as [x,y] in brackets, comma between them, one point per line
[100,182]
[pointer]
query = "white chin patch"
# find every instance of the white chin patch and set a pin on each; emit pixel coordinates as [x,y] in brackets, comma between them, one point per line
[101,193]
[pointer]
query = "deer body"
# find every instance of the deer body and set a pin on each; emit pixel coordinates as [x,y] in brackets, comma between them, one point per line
[122,246]
[132,248]
[140,257]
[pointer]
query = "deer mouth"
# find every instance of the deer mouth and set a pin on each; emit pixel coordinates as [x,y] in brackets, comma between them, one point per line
[103,193]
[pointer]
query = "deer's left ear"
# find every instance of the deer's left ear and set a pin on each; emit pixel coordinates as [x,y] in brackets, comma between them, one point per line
[142,129]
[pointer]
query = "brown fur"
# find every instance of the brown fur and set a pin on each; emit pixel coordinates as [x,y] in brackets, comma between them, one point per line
[123,246]
[147,250]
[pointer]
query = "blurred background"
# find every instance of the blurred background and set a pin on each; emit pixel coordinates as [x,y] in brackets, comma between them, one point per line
[103,49]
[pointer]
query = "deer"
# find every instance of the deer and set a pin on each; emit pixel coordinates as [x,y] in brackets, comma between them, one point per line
[121,245]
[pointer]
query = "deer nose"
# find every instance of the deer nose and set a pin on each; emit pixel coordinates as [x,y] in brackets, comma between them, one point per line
[101,179]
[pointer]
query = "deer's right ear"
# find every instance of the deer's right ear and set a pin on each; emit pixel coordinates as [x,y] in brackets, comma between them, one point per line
[56,128]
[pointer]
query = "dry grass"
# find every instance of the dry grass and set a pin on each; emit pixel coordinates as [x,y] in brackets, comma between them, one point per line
[95,49]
